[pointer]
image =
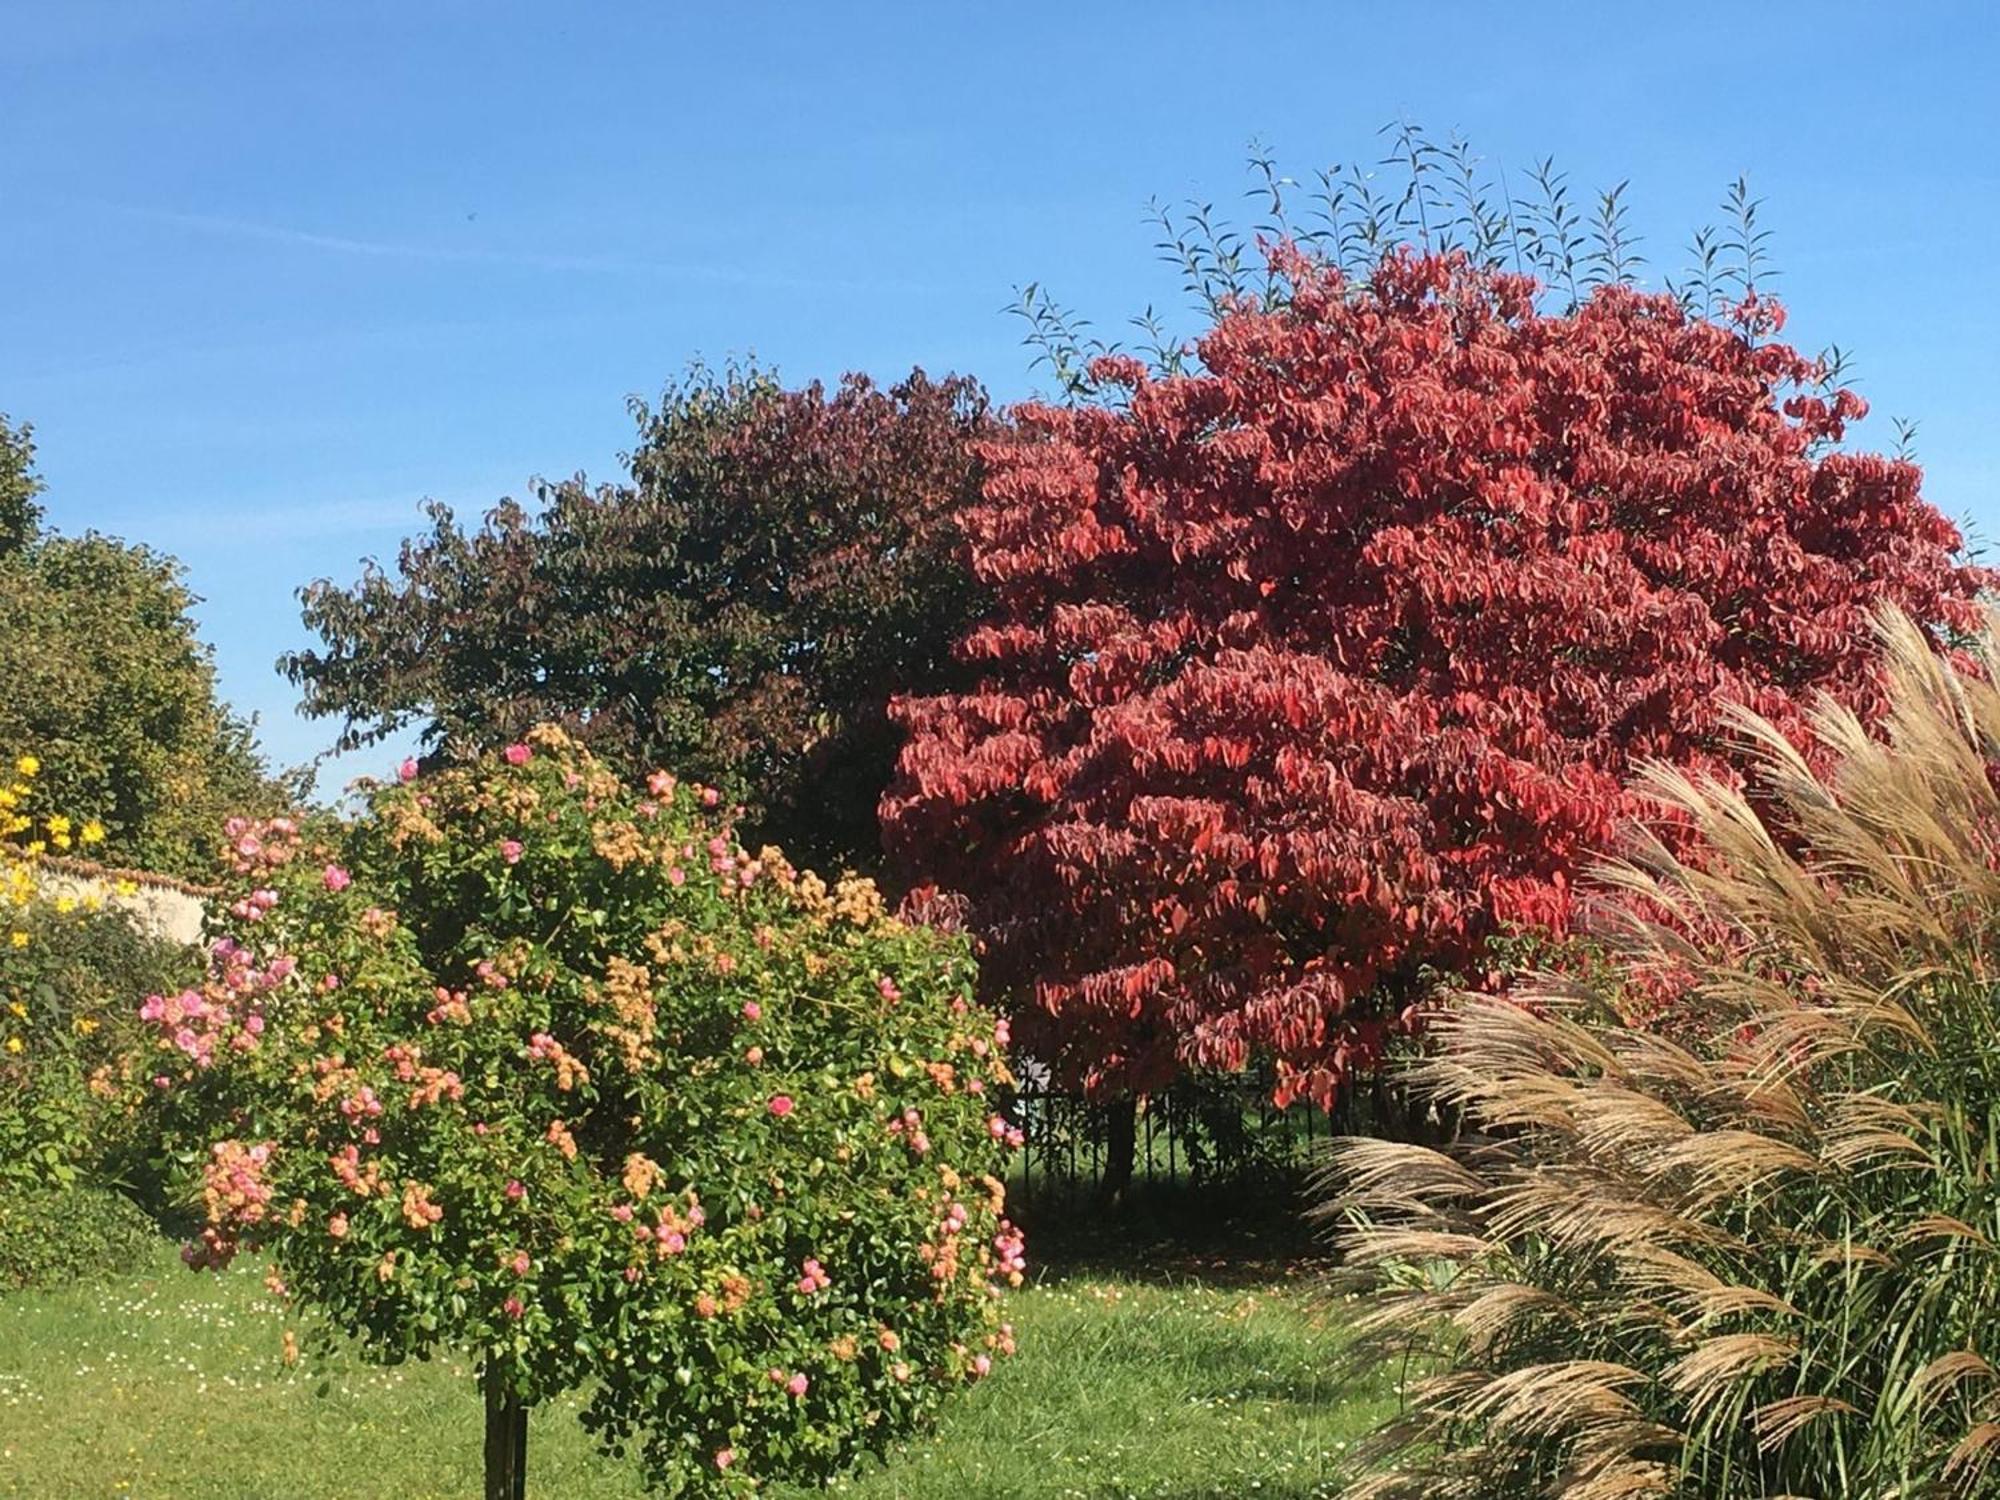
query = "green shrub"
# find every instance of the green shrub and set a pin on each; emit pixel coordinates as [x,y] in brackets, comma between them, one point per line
[72,972]
[550,1071]
[53,1236]
[1752,1250]
[69,1030]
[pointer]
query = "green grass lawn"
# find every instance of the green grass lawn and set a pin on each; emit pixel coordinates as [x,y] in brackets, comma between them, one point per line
[169,1386]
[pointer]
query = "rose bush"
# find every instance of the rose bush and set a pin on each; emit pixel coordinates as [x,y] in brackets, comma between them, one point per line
[545,1069]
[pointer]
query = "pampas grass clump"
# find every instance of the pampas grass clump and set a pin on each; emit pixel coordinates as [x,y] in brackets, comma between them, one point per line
[1754,1252]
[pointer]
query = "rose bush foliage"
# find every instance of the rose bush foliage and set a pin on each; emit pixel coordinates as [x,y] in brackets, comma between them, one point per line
[553,1072]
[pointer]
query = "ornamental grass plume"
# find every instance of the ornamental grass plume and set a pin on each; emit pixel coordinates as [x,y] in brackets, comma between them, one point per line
[1753,1248]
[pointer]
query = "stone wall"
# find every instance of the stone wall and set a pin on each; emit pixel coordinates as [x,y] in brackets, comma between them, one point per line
[161,906]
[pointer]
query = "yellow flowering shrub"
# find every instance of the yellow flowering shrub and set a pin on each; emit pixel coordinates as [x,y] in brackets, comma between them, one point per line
[71,970]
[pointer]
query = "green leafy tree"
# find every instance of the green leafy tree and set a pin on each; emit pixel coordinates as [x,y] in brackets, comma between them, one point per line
[103,678]
[780,562]
[20,515]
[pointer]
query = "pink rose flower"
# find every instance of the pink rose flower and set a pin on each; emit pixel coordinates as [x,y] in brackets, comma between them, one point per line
[752,1010]
[781,1105]
[515,1190]
[724,1457]
[797,1384]
[510,850]
[336,878]
[517,755]
[407,771]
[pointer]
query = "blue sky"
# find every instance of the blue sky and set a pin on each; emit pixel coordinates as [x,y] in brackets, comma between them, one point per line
[272,274]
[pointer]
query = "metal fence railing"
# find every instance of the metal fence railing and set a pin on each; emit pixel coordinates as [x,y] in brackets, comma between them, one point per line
[1189,1135]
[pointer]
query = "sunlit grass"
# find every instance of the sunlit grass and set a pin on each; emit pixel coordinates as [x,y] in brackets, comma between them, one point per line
[169,1386]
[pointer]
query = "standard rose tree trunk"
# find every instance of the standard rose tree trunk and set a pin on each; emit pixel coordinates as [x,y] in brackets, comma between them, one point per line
[506,1442]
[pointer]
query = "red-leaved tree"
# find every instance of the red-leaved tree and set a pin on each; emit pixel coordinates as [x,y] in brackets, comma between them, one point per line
[1311,671]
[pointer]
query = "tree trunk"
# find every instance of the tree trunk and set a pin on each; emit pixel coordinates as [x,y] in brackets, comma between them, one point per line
[1402,1115]
[1121,1148]
[506,1442]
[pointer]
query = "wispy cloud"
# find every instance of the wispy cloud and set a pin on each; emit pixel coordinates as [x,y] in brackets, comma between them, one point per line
[264,521]
[503,326]
[487,255]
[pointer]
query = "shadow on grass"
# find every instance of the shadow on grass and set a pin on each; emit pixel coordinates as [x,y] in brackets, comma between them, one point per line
[1299,1489]
[1215,1235]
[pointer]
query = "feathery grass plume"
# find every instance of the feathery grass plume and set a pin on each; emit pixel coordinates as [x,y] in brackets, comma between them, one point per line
[1753,1251]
